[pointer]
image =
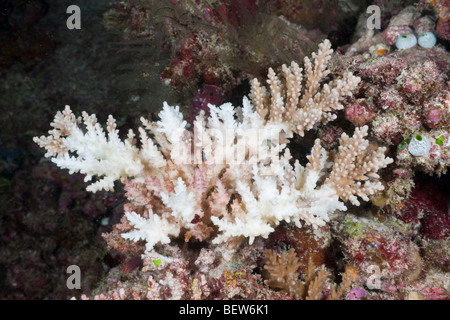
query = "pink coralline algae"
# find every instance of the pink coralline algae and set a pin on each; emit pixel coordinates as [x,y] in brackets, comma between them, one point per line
[361,111]
[436,112]
[421,81]
[433,115]
[329,136]
[196,62]
[211,274]
[424,24]
[391,253]
[388,129]
[356,294]
[383,249]
[407,92]
[404,94]
[393,32]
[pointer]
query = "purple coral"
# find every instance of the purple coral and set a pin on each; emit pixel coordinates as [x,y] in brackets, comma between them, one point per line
[356,294]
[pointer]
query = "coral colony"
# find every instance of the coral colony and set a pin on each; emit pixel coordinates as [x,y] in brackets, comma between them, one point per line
[231,157]
[223,205]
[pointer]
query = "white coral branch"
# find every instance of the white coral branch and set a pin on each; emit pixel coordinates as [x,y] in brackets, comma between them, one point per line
[153,230]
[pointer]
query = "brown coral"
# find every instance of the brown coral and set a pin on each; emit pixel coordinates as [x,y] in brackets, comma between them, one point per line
[283,276]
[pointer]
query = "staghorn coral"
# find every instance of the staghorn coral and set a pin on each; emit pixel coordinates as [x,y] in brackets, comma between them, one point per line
[283,275]
[228,178]
[184,195]
[283,103]
[346,176]
[212,42]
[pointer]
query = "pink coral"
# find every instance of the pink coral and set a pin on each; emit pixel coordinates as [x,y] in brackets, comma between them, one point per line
[360,112]
[391,34]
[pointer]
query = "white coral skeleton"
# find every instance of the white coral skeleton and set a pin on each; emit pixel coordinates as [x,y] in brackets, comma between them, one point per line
[230,177]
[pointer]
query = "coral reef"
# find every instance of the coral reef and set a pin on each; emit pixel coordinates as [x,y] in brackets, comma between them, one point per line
[185,182]
[403,94]
[268,163]
[386,248]
[184,274]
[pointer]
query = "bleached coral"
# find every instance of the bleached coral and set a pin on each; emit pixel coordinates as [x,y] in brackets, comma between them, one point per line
[288,195]
[97,154]
[231,173]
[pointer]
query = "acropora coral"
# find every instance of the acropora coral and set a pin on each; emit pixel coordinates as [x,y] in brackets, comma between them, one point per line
[193,175]
[209,183]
